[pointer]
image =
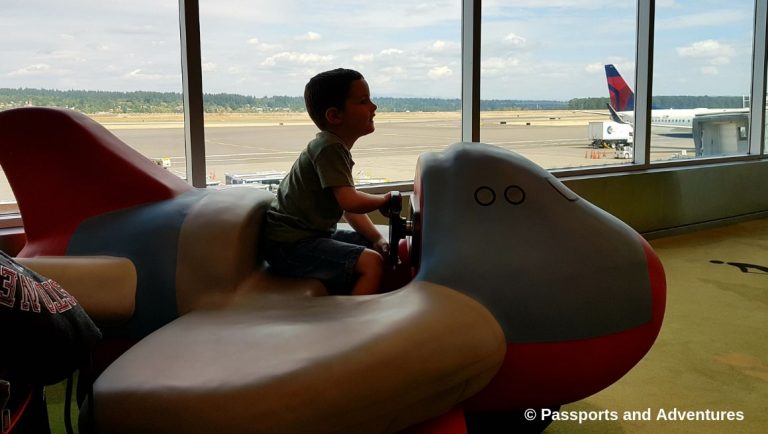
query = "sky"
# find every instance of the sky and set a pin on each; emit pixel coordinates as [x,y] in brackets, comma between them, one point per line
[531,49]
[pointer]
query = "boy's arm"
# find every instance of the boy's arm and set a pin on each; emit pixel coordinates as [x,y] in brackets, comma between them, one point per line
[365,227]
[358,202]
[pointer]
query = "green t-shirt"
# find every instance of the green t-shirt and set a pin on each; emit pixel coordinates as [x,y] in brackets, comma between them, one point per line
[305,205]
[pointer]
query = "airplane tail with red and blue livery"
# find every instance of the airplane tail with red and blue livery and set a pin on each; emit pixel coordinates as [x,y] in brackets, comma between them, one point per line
[622,96]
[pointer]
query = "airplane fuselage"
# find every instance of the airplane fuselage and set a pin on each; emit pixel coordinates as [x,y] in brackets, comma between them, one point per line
[676,118]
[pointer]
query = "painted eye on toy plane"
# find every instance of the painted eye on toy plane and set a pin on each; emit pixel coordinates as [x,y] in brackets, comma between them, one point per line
[514,194]
[486,196]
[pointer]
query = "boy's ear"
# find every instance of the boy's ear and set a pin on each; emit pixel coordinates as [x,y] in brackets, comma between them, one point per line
[333,116]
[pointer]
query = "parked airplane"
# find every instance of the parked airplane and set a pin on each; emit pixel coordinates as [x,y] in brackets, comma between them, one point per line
[622,106]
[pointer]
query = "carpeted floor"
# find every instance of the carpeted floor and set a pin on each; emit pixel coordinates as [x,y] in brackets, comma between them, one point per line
[712,351]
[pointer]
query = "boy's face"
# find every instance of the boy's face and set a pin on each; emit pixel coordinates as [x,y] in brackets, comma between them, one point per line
[359,110]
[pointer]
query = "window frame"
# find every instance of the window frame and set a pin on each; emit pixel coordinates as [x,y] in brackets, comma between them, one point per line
[470,131]
[189,26]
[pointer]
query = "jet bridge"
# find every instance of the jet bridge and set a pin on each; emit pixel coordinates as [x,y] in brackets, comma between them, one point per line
[719,134]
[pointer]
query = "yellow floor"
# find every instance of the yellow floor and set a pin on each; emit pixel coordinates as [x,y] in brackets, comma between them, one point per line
[712,351]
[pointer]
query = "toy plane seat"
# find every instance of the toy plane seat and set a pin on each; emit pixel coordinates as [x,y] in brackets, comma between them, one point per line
[223,346]
[64,167]
[287,364]
[255,353]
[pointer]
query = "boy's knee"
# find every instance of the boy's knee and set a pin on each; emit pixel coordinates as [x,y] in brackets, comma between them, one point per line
[370,268]
[370,261]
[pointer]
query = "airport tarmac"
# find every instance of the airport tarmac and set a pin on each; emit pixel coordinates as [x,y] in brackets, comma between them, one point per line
[239,144]
[552,139]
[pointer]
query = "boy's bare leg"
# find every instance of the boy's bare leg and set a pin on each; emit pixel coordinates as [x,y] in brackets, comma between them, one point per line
[370,265]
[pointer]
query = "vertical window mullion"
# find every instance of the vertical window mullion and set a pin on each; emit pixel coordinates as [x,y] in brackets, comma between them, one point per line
[192,89]
[643,81]
[757,95]
[470,70]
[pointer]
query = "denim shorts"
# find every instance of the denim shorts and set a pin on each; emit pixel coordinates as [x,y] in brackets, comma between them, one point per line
[329,259]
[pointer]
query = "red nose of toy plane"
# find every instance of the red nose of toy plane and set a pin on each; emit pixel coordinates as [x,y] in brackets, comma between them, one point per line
[548,374]
[579,295]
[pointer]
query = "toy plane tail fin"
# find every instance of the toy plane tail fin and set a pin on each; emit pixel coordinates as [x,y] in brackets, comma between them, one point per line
[64,167]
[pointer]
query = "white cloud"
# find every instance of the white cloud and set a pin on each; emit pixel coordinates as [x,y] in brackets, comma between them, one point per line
[594,67]
[713,18]
[263,46]
[36,69]
[711,51]
[394,70]
[134,29]
[515,40]
[625,67]
[309,36]
[391,52]
[100,47]
[138,74]
[295,58]
[363,58]
[496,66]
[67,56]
[720,60]
[440,72]
[556,4]
[444,47]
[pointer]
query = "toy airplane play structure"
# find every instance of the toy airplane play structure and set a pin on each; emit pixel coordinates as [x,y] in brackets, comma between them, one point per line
[507,309]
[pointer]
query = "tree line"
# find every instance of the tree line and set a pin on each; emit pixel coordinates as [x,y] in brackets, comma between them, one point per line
[90,101]
[666,102]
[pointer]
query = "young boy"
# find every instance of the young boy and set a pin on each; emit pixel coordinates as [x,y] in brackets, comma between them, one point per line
[301,235]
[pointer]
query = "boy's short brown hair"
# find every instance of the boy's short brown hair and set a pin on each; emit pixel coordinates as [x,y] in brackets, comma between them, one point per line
[326,90]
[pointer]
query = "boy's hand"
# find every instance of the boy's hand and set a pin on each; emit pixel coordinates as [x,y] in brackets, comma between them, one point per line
[384,209]
[382,246]
[387,209]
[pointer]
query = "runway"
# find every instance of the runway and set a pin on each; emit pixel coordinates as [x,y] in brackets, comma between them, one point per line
[391,152]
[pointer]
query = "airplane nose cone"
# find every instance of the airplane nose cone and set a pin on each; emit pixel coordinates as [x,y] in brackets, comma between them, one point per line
[547,374]
[579,294]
